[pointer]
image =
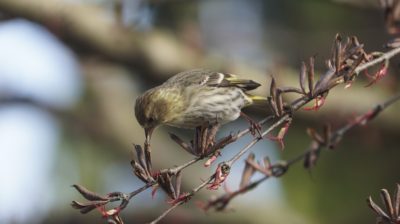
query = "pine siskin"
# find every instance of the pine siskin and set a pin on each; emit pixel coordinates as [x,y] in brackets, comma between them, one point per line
[191,98]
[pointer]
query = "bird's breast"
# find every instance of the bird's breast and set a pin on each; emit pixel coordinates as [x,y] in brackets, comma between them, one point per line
[210,104]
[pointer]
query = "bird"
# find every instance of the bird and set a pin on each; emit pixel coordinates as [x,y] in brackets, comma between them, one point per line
[193,97]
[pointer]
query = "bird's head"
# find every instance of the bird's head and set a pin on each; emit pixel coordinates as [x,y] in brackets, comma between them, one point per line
[151,110]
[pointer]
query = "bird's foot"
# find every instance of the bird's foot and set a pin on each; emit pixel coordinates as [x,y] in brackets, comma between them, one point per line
[254,126]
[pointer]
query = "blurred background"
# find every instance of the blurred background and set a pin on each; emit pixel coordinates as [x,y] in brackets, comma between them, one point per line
[70,71]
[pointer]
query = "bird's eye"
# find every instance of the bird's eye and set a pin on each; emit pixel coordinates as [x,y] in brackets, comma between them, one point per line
[150,120]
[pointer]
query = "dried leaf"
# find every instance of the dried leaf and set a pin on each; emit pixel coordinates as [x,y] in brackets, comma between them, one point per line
[290,90]
[140,172]
[89,195]
[165,182]
[327,134]
[329,65]
[267,163]
[248,171]
[354,41]
[223,142]
[141,156]
[181,143]
[303,77]
[338,53]
[392,15]
[396,201]
[272,88]
[323,83]
[257,167]
[356,50]
[345,48]
[310,160]
[78,205]
[272,104]
[88,206]
[311,76]
[279,103]
[335,140]
[377,209]
[348,76]
[315,136]
[178,183]
[115,219]
[385,196]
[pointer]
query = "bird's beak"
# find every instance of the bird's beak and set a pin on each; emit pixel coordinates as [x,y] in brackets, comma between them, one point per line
[148,132]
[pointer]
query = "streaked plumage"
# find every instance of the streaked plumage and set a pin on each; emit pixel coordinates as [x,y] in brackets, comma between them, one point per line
[190,98]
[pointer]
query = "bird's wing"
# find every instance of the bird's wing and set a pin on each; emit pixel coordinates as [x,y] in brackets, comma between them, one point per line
[211,78]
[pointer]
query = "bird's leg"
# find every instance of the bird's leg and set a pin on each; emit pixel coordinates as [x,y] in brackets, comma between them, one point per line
[205,138]
[254,126]
[213,129]
[201,138]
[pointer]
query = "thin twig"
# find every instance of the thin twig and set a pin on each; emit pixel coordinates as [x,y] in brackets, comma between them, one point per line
[385,56]
[166,212]
[175,170]
[133,193]
[195,190]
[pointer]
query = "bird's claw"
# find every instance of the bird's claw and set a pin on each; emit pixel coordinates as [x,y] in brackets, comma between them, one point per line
[254,126]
